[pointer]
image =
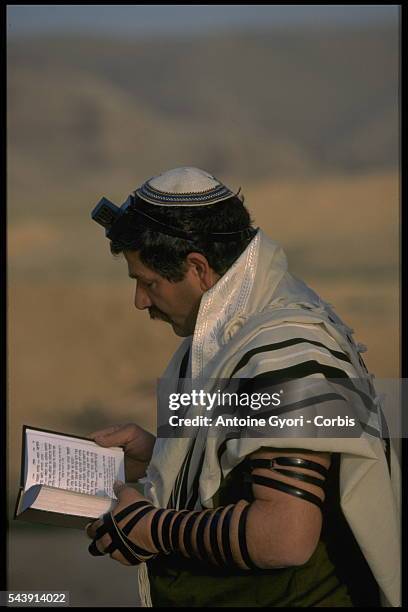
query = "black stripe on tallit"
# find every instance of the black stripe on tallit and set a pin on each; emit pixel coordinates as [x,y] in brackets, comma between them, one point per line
[237,435]
[386,438]
[183,365]
[182,374]
[183,488]
[370,430]
[194,493]
[223,446]
[279,345]
[315,399]
[172,500]
[173,497]
[301,370]
[309,401]
[176,487]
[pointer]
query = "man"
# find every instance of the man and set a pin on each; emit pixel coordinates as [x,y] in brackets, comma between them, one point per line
[232,518]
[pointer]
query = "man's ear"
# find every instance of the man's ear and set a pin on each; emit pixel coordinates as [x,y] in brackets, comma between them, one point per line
[199,266]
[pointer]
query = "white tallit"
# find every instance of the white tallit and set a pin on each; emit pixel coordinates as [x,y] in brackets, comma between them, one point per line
[254,300]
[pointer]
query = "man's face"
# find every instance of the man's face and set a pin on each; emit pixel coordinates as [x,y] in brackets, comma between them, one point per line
[176,303]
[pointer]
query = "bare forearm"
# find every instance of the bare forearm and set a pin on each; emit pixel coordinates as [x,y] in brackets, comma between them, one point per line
[240,535]
[211,536]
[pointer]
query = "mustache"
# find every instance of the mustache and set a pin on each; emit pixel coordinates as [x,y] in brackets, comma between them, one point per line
[155,313]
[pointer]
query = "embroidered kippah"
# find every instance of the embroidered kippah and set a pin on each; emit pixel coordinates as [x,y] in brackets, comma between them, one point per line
[184,186]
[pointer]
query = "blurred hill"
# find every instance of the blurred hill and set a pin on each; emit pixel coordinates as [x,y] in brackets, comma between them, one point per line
[306,120]
[88,114]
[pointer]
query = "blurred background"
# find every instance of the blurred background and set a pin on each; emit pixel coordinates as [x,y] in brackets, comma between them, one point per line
[298,105]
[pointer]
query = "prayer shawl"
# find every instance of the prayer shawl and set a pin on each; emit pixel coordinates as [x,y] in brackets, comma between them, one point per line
[258,318]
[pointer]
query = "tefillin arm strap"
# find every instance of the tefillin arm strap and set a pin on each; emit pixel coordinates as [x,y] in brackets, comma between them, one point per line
[133,554]
[217,537]
[298,492]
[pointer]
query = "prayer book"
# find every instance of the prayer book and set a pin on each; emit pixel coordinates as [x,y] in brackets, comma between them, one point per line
[66,480]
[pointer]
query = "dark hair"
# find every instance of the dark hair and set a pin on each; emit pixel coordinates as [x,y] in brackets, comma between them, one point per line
[166,254]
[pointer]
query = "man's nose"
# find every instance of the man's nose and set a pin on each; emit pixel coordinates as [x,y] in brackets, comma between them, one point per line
[142,300]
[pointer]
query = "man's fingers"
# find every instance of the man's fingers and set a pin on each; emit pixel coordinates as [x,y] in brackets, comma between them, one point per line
[94,550]
[126,495]
[118,487]
[116,435]
[103,433]
[99,547]
[117,556]
[92,527]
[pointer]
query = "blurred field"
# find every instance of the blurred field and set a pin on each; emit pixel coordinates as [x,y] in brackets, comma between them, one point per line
[89,114]
[305,121]
[48,559]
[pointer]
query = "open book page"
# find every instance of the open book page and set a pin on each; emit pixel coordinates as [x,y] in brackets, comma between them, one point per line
[71,463]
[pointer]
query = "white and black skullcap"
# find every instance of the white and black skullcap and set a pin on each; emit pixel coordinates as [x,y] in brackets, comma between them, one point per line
[185,186]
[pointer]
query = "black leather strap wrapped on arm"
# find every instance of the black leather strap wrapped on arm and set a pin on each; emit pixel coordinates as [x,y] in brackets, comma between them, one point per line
[217,536]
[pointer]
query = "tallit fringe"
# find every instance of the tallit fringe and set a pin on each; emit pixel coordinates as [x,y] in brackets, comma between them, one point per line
[144,586]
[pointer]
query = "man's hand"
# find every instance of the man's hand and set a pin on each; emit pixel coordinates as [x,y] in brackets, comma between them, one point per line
[137,443]
[140,535]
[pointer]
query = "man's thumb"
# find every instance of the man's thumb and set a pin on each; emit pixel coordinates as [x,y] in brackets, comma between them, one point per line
[118,486]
